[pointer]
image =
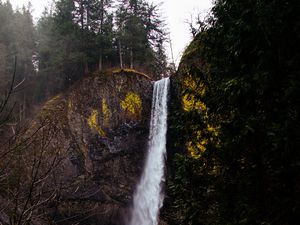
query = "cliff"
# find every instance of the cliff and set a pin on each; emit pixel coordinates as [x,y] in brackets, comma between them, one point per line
[87,149]
[185,140]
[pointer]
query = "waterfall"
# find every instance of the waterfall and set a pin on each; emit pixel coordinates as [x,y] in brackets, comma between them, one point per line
[149,196]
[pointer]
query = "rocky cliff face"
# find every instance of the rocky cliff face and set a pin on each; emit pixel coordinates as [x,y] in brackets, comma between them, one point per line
[183,107]
[96,138]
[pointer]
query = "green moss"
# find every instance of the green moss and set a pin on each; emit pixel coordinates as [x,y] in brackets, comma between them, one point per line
[93,122]
[131,71]
[132,104]
[50,104]
[193,92]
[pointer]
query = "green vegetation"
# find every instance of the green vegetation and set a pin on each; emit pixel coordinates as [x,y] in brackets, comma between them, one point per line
[234,114]
[83,36]
[238,86]
[132,104]
[18,56]
[73,39]
[131,71]
[93,122]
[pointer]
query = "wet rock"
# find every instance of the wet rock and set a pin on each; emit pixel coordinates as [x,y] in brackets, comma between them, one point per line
[101,133]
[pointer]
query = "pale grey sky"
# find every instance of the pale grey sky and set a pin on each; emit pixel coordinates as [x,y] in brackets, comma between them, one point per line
[176,13]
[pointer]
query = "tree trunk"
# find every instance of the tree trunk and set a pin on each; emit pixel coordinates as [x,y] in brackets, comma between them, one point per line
[131,59]
[100,61]
[101,34]
[120,53]
[81,15]
[87,15]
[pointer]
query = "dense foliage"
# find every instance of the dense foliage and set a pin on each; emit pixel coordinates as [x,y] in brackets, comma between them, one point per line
[81,36]
[238,86]
[72,39]
[17,55]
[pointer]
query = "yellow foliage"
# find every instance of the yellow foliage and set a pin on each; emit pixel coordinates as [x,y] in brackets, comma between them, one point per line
[213,130]
[132,104]
[93,122]
[199,145]
[106,112]
[197,149]
[206,133]
[190,83]
[191,103]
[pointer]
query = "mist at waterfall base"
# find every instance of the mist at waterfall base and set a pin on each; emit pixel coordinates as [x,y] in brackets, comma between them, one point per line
[149,196]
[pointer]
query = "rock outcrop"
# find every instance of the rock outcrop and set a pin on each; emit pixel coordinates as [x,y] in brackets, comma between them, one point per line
[97,136]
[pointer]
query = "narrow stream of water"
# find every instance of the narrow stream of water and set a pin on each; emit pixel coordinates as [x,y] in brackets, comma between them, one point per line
[149,196]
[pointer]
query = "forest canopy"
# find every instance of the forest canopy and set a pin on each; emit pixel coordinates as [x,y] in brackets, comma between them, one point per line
[237,117]
[75,38]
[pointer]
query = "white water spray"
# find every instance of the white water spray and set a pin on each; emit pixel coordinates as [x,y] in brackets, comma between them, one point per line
[149,195]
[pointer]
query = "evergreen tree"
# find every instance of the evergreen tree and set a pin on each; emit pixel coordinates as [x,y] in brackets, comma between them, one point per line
[240,96]
[141,34]
[71,53]
[103,22]
[7,39]
[17,40]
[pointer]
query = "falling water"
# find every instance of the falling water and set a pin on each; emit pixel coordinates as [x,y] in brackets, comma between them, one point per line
[149,196]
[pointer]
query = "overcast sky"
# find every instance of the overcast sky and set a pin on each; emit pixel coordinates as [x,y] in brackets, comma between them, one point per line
[176,12]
